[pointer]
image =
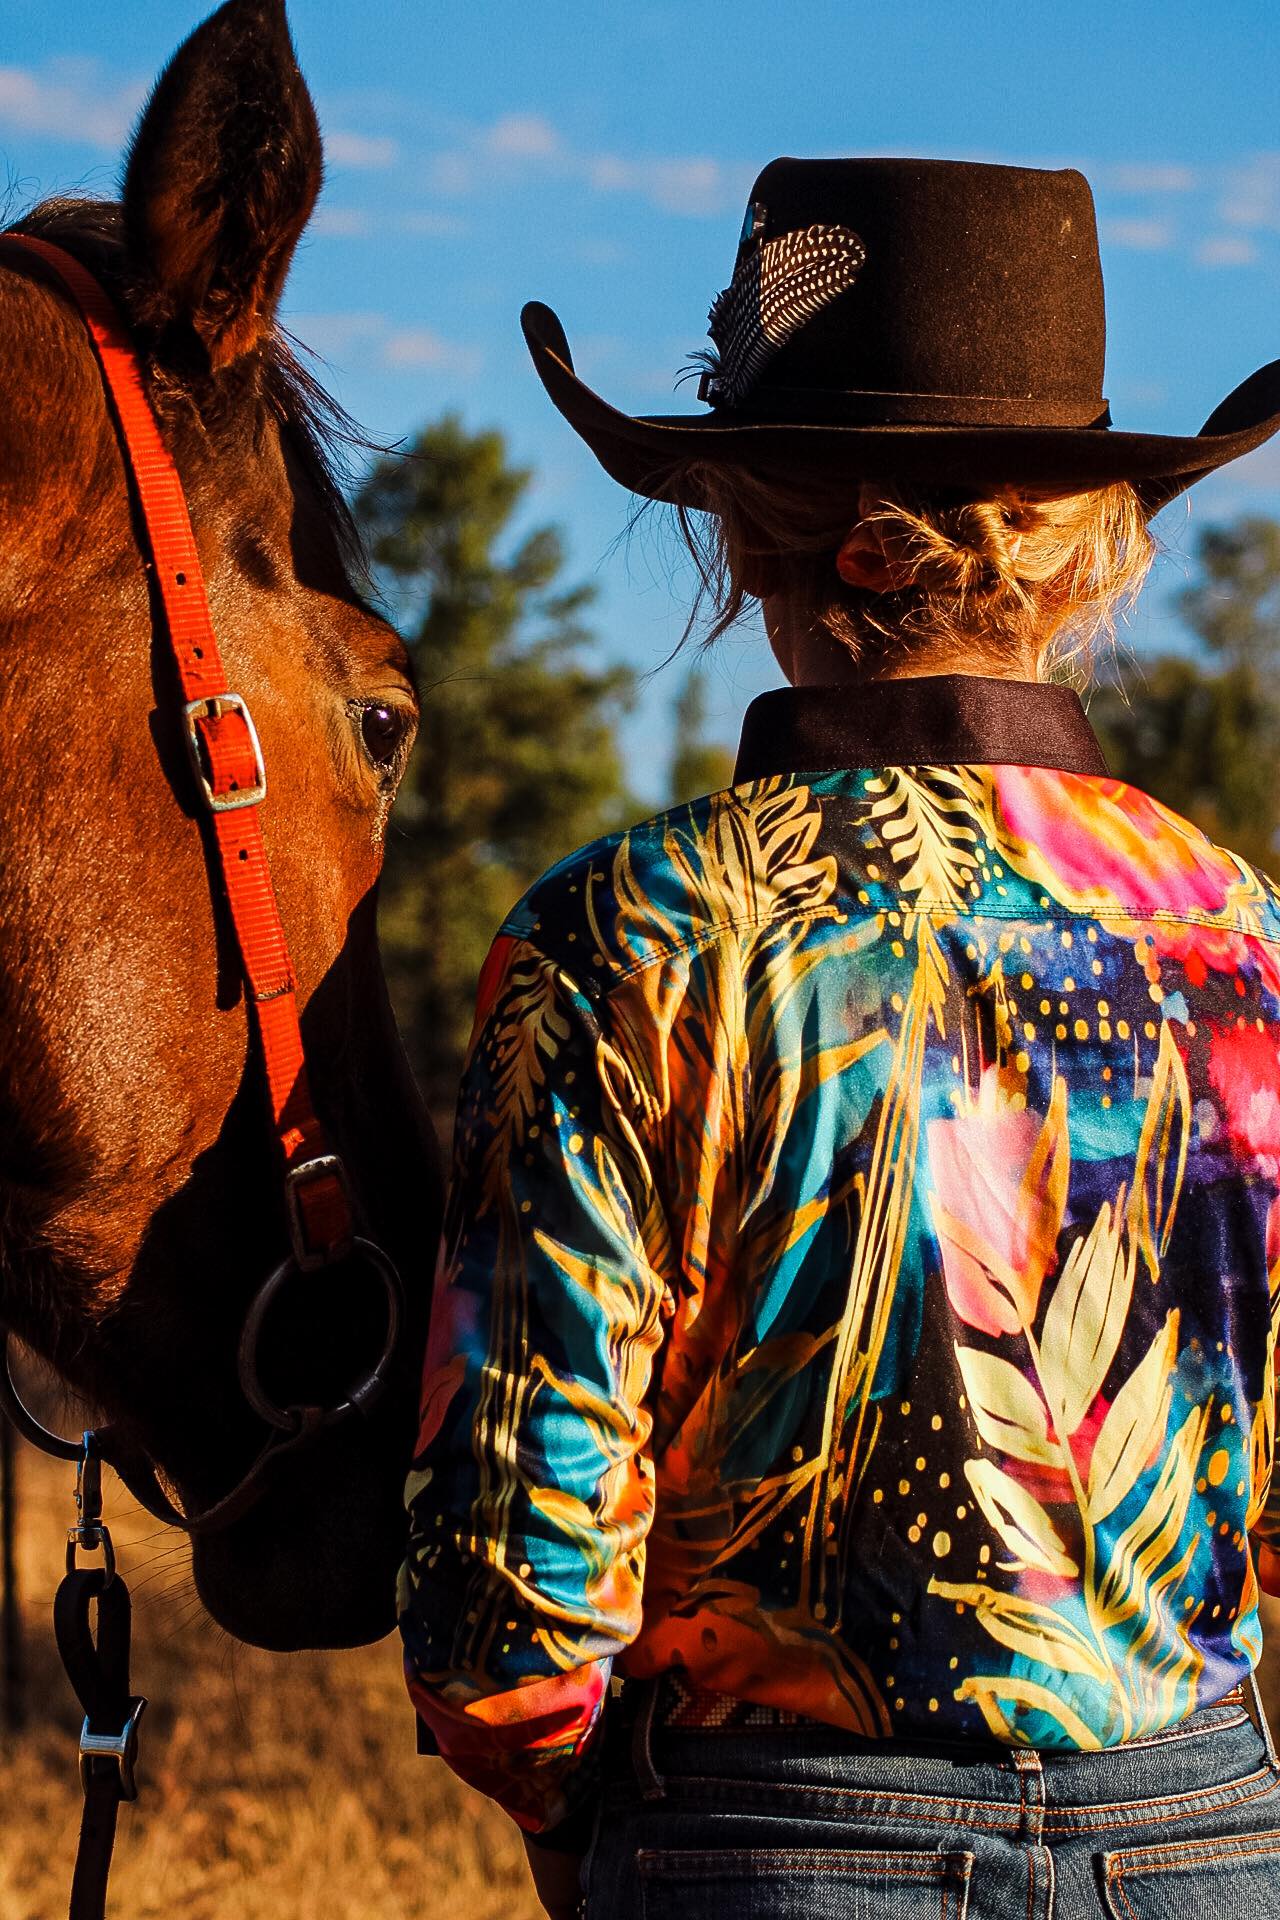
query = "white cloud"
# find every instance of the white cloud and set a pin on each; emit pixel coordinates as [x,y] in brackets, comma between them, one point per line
[69,100]
[436,226]
[522,136]
[375,338]
[1242,481]
[694,186]
[340,223]
[334,334]
[1251,197]
[1142,235]
[1227,250]
[357,223]
[361,150]
[518,144]
[411,347]
[1147,177]
[598,252]
[453,173]
[1140,393]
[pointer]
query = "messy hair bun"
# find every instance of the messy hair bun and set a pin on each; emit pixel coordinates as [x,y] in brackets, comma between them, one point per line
[1011,575]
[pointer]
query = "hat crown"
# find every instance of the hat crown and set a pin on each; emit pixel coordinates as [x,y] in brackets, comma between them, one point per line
[979,296]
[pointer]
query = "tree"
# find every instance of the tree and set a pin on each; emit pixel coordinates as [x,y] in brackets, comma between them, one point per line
[517,760]
[698,765]
[1203,734]
[1234,607]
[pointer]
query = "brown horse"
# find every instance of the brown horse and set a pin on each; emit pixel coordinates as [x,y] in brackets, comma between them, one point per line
[140,1198]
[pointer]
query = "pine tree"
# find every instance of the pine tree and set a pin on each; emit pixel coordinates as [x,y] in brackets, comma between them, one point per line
[517,760]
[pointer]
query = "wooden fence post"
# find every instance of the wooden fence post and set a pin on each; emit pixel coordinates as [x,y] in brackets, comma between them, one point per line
[12,1660]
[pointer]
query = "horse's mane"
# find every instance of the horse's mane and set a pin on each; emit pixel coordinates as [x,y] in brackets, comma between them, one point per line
[322,435]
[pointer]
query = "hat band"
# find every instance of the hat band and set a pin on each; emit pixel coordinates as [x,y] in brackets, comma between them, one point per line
[820,406]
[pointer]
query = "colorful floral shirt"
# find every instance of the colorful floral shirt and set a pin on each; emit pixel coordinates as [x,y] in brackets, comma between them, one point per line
[860,1273]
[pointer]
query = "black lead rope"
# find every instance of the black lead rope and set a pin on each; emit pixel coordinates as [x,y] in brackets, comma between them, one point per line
[97,1665]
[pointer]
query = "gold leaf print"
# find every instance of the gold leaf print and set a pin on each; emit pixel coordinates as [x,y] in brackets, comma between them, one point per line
[1027,1627]
[1162,1155]
[779,829]
[986,1690]
[1134,1425]
[1262,1431]
[1086,1317]
[929,830]
[1006,1407]
[530,1030]
[1020,1520]
[1148,1540]
[746,859]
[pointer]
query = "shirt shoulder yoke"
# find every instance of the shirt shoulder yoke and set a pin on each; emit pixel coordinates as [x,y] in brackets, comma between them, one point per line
[661,886]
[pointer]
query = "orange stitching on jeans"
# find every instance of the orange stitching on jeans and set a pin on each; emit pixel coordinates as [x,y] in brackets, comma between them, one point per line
[1217,1848]
[914,1805]
[1206,1801]
[1114,1887]
[703,1863]
[1031,1883]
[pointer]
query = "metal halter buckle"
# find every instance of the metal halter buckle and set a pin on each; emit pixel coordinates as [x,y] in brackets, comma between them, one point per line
[214,706]
[121,1747]
[90,1534]
[322,1166]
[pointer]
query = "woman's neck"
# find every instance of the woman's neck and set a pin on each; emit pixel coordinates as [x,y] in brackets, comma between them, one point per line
[810,657]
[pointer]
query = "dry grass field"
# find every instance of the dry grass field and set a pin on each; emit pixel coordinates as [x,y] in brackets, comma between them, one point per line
[272,1788]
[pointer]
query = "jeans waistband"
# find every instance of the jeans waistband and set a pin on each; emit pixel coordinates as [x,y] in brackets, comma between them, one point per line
[673,1701]
[1207,1760]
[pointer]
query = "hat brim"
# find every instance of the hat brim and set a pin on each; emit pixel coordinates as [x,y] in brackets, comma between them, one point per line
[647,453]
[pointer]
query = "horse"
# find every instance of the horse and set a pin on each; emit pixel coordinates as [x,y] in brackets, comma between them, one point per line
[140,1204]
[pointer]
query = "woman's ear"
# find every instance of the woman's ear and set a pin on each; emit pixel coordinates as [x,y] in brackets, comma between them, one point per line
[223,173]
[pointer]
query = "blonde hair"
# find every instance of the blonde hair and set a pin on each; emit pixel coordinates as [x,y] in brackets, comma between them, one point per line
[1009,575]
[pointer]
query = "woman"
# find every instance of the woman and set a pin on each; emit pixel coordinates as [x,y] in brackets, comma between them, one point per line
[854,1322]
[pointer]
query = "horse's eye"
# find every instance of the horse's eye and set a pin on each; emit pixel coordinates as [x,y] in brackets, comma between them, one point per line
[383,728]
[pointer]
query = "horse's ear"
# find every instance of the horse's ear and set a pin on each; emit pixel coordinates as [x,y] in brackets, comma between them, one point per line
[221,178]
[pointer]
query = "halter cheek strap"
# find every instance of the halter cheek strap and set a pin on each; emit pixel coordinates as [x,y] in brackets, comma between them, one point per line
[227,761]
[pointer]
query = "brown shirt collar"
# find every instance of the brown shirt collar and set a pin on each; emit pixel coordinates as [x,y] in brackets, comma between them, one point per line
[944,720]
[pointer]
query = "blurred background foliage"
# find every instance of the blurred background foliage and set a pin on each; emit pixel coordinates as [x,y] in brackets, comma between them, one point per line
[519,762]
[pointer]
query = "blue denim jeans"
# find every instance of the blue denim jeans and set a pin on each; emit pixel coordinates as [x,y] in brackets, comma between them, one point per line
[809,1824]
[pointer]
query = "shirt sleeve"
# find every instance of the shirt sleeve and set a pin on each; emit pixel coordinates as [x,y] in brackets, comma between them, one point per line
[531,1491]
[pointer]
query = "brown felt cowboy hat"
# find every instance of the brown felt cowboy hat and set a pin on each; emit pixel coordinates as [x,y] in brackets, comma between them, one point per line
[930,321]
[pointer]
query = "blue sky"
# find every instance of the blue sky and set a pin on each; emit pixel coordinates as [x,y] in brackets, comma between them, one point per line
[598,156]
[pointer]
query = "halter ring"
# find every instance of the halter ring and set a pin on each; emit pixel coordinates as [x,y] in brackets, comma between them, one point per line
[367,1390]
